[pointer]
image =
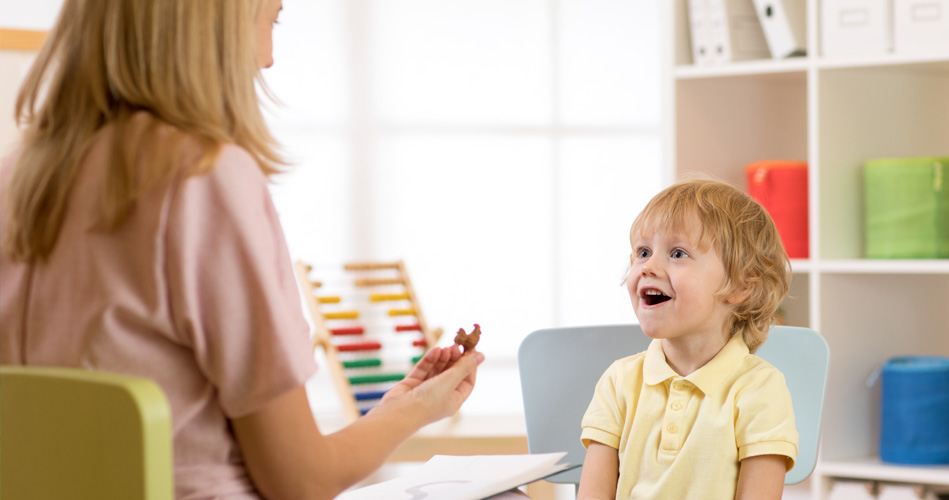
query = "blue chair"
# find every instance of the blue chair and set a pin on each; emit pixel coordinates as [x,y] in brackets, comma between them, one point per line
[70,433]
[559,369]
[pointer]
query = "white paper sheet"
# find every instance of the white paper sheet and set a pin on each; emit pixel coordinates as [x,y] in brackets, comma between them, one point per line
[448,477]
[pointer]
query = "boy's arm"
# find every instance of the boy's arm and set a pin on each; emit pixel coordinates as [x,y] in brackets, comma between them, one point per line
[600,473]
[761,478]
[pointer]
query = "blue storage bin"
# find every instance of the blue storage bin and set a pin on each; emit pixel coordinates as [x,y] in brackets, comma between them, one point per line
[915,411]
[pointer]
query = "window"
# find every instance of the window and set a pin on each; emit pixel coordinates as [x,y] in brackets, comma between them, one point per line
[501,148]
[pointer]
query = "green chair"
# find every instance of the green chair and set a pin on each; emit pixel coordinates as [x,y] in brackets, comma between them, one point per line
[559,369]
[78,434]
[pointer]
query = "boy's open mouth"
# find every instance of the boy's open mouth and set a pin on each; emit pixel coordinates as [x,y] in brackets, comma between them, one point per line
[652,297]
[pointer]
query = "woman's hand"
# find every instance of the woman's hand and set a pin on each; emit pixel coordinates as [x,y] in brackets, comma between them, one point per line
[439,383]
[288,456]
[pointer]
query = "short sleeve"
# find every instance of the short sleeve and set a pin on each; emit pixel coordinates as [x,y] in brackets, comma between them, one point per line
[765,419]
[603,420]
[232,291]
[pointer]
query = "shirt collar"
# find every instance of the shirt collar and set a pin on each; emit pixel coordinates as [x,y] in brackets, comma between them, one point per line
[656,370]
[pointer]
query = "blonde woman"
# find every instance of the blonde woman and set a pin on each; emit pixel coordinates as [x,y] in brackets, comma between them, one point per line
[139,237]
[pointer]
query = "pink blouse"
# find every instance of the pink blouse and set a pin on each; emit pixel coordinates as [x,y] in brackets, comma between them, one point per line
[195,290]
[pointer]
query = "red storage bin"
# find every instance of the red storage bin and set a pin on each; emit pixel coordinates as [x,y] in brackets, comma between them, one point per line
[781,188]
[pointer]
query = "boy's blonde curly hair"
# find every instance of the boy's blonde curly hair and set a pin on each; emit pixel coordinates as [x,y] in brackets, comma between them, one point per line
[742,233]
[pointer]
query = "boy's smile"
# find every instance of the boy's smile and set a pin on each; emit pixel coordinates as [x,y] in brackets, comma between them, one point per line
[673,285]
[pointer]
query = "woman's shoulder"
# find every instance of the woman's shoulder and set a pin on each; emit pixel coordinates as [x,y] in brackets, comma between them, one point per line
[197,156]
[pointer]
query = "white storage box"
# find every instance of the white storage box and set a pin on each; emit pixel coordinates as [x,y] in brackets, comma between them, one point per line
[920,26]
[725,30]
[856,27]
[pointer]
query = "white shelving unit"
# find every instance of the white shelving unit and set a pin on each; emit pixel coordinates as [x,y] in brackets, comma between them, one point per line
[836,114]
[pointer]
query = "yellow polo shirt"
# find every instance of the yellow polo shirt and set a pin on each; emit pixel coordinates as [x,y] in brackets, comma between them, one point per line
[683,437]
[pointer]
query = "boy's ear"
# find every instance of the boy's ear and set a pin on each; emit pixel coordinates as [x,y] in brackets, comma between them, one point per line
[738,296]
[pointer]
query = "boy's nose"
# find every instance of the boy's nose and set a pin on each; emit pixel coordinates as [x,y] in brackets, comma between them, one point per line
[649,268]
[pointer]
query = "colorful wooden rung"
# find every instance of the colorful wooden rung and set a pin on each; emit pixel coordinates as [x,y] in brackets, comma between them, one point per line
[362,363]
[376,379]
[355,330]
[386,297]
[366,282]
[370,266]
[359,346]
[336,313]
[341,315]
[368,396]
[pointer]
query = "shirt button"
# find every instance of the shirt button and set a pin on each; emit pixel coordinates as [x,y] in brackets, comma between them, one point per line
[677,405]
[672,428]
[679,386]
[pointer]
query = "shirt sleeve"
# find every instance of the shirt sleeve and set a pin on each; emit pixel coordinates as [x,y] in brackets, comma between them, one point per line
[603,420]
[765,419]
[233,294]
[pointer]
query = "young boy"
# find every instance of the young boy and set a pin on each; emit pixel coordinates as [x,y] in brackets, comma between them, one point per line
[696,416]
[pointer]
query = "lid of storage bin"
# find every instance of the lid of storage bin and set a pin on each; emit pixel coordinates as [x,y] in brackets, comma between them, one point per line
[917,364]
[775,164]
[904,162]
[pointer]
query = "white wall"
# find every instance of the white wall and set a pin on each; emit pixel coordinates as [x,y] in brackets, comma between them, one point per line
[33,15]
[15,64]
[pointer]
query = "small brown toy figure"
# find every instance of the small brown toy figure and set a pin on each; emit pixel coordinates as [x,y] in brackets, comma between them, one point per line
[468,341]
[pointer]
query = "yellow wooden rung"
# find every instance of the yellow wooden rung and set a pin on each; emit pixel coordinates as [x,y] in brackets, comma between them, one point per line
[328,300]
[341,315]
[370,266]
[384,297]
[361,282]
[401,312]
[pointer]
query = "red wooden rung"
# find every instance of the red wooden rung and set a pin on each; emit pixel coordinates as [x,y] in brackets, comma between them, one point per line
[359,346]
[356,330]
[408,328]
[420,343]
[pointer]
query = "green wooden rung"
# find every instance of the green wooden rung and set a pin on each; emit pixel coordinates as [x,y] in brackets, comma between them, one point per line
[362,363]
[375,379]
[415,359]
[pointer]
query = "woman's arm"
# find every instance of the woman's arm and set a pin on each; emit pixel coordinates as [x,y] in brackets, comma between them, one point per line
[288,457]
[600,473]
[761,478]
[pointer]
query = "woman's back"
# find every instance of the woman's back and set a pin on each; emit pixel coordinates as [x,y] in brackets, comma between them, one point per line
[186,291]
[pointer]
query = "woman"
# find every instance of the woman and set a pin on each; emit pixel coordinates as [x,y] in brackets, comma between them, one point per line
[139,237]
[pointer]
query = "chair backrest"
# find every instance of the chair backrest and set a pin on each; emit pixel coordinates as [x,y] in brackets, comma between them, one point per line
[559,368]
[70,433]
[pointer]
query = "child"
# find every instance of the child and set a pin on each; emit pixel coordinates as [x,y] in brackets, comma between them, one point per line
[696,416]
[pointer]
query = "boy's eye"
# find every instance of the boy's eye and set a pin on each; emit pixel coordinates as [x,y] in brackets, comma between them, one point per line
[679,253]
[642,253]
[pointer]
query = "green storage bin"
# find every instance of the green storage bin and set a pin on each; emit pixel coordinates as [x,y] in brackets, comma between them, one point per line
[907,208]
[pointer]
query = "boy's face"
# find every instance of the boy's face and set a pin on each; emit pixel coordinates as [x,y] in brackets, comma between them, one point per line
[673,287]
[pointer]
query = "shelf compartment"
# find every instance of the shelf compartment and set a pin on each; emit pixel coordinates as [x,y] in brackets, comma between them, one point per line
[868,319]
[796,306]
[719,138]
[866,113]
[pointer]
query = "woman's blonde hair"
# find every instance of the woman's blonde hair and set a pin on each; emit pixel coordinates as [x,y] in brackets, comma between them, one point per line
[189,65]
[745,237]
